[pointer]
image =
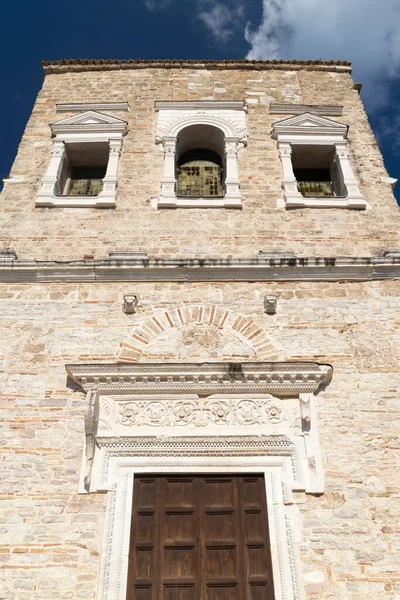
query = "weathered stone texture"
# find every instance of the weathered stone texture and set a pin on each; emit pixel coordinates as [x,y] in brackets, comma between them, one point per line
[73,233]
[51,537]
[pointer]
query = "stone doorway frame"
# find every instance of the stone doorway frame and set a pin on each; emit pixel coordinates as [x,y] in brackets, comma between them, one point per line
[111,462]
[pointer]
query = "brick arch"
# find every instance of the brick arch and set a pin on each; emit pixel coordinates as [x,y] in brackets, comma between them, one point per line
[241,326]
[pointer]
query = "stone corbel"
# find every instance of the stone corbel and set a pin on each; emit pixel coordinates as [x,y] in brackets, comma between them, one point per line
[91,419]
[305,412]
[313,468]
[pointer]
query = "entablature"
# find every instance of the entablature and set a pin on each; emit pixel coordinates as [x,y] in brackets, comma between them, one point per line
[268,267]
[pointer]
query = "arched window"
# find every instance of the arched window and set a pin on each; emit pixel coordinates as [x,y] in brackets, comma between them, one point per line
[200,168]
[201,142]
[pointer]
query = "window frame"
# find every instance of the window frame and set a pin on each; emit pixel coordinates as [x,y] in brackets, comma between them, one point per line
[311,130]
[228,117]
[84,128]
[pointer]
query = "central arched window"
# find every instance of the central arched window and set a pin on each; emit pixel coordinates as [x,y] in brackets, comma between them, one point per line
[201,142]
[199,175]
[199,165]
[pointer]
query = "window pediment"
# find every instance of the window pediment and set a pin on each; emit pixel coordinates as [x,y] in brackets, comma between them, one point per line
[308,123]
[89,122]
[79,142]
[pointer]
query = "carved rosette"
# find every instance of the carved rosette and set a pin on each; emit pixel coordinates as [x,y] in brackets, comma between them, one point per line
[224,412]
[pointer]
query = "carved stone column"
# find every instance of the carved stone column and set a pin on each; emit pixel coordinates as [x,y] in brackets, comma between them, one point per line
[50,183]
[289,182]
[354,196]
[169,178]
[232,184]
[108,193]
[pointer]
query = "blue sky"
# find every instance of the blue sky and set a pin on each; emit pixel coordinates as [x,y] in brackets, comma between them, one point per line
[365,32]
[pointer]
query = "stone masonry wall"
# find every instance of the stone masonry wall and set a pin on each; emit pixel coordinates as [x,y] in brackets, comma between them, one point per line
[50,537]
[67,234]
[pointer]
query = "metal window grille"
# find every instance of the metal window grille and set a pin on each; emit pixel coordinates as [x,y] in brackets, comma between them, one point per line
[200,179]
[314,182]
[315,188]
[85,181]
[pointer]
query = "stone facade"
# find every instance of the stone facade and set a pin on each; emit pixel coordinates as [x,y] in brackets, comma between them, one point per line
[51,536]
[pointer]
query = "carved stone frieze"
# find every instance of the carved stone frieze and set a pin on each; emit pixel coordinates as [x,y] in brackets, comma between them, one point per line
[157,411]
[223,411]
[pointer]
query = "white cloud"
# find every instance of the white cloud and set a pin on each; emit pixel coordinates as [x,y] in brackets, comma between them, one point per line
[221,20]
[388,133]
[365,32]
[154,5]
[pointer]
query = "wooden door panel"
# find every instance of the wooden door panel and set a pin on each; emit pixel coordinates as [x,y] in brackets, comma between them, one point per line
[179,593]
[143,593]
[259,592]
[199,538]
[179,491]
[179,561]
[221,561]
[179,525]
[228,592]
[221,521]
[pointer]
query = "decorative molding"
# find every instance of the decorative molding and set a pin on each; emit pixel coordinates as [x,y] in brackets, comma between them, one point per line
[89,122]
[96,106]
[230,120]
[310,125]
[88,127]
[122,255]
[244,328]
[284,551]
[290,460]
[126,401]
[91,413]
[74,202]
[278,378]
[170,125]
[264,267]
[200,446]
[8,254]
[313,130]
[184,105]
[220,411]
[198,203]
[298,109]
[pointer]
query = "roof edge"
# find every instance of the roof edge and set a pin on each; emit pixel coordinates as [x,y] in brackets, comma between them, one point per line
[68,65]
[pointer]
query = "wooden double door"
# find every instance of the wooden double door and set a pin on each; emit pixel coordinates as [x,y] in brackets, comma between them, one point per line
[199,538]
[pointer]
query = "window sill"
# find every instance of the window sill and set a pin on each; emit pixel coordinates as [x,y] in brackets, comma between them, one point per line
[175,202]
[75,201]
[326,202]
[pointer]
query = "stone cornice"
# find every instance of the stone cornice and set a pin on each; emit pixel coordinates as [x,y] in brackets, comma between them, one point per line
[261,268]
[207,378]
[97,106]
[67,65]
[198,105]
[286,108]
